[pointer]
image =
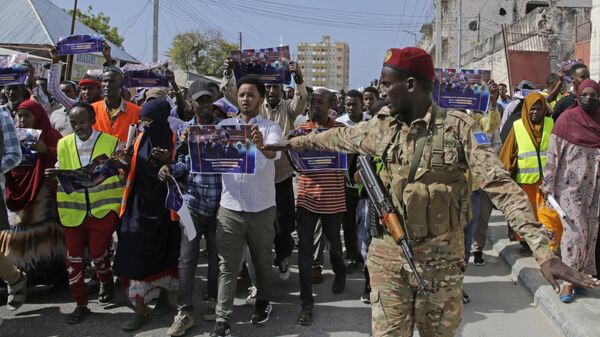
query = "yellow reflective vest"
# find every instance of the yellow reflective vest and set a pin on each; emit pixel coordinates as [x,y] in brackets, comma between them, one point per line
[97,201]
[531,161]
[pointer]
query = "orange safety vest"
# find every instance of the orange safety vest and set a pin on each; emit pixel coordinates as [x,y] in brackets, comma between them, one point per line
[131,175]
[120,128]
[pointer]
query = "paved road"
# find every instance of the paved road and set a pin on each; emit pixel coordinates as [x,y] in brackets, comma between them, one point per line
[499,307]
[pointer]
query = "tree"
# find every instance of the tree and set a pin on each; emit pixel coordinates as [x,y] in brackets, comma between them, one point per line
[202,52]
[101,24]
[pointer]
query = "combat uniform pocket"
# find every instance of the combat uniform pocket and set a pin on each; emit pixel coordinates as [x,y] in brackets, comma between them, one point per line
[416,198]
[438,211]
[379,318]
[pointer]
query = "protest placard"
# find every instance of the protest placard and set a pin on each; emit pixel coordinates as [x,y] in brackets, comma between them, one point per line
[13,75]
[91,175]
[79,44]
[145,75]
[461,89]
[313,160]
[27,139]
[221,149]
[271,65]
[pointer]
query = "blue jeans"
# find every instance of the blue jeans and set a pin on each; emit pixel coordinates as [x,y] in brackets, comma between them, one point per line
[469,231]
[188,261]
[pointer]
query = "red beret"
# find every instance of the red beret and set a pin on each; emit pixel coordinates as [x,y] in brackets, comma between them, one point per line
[413,61]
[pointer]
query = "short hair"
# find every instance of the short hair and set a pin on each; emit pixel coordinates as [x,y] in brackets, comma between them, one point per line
[214,85]
[378,105]
[309,89]
[355,94]
[576,67]
[328,94]
[253,80]
[503,85]
[426,85]
[87,106]
[71,83]
[372,90]
[551,78]
[113,70]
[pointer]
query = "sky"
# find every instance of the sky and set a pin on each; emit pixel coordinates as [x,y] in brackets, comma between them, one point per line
[369,27]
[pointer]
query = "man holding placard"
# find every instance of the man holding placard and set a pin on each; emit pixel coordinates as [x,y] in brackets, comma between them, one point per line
[243,218]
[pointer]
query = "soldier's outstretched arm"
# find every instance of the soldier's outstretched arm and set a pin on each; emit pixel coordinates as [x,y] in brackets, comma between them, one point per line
[509,198]
[365,138]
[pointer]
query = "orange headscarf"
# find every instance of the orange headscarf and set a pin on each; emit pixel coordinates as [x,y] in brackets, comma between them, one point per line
[534,130]
[508,154]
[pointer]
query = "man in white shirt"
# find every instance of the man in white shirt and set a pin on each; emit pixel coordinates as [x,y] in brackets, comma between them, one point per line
[247,211]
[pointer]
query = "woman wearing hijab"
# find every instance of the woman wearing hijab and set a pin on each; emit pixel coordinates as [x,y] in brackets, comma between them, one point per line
[148,246]
[572,176]
[34,242]
[524,156]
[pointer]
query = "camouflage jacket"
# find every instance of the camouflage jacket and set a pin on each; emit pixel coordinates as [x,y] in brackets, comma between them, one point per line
[465,147]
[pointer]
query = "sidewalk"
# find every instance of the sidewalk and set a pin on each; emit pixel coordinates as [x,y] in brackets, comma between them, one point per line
[577,319]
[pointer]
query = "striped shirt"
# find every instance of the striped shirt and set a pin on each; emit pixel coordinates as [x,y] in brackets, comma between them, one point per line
[322,192]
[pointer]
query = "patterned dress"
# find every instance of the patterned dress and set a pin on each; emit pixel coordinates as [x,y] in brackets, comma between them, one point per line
[35,241]
[572,176]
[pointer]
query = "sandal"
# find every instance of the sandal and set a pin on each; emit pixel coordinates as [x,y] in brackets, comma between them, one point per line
[78,315]
[17,293]
[305,317]
[107,292]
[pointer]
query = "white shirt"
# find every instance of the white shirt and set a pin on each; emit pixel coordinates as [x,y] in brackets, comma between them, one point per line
[345,118]
[253,192]
[85,148]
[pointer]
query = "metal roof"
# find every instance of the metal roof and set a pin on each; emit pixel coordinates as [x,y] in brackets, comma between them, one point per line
[31,23]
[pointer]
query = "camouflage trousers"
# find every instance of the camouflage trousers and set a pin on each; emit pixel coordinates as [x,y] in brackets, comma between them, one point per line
[397,307]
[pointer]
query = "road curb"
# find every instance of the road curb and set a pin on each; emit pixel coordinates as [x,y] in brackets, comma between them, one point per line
[571,319]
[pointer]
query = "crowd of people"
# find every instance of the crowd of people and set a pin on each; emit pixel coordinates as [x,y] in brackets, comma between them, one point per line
[548,143]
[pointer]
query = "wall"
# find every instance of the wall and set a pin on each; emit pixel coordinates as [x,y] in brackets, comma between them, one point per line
[595,42]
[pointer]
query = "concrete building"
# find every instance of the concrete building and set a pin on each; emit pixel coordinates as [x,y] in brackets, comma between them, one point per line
[547,28]
[595,41]
[325,64]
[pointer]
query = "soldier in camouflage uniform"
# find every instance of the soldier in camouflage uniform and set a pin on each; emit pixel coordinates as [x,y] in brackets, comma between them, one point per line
[437,201]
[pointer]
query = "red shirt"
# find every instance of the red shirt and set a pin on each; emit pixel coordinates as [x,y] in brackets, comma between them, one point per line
[322,192]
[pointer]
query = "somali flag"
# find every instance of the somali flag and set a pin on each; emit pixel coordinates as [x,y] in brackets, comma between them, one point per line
[175,202]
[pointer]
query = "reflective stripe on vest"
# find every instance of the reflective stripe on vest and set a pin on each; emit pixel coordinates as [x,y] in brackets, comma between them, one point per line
[96,201]
[529,165]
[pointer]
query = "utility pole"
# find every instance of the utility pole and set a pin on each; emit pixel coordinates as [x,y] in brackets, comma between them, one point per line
[459,34]
[240,40]
[438,33]
[70,57]
[155,33]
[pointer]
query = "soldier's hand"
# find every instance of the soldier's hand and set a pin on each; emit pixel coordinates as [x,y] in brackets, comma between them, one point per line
[555,269]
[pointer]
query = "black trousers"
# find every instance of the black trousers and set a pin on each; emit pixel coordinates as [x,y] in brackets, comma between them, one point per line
[307,221]
[349,225]
[285,218]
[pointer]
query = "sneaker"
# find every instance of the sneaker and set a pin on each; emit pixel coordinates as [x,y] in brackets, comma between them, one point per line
[317,276]
[262,310]
[251,299]
[366,296]
[478,259]
[465,298]
[210,313]
[221,329]
[284,270]
[181,323]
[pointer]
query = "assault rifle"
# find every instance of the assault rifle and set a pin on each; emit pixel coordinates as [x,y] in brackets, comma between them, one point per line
[388,214]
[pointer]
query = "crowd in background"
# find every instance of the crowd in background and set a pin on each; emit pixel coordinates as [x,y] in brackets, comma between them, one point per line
[548,140]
